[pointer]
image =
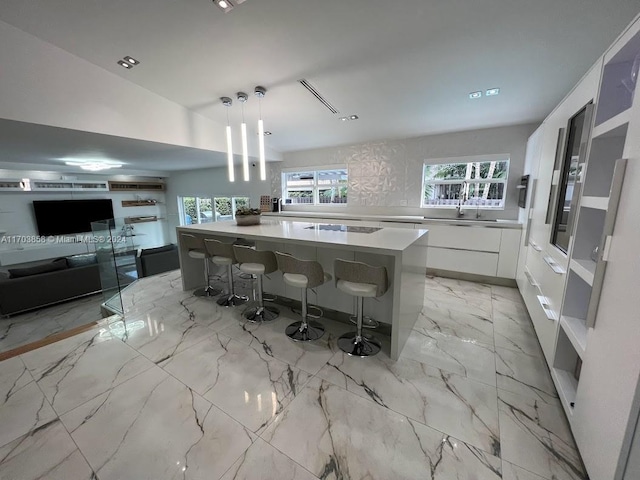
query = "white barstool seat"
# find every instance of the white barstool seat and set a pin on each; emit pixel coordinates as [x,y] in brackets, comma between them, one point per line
[361,281]
[196,249]
[257,263]
[303,274]
[222,254]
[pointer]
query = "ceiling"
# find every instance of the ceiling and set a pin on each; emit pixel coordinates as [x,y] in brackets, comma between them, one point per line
[26,146]
[406,68]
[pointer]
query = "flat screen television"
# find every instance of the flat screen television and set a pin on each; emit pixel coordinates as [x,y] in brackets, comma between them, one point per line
[62,217]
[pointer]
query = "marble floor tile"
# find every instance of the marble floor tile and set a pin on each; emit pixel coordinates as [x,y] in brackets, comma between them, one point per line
[159,334]
[76,369]
[465,326]
[459,301]
[244,382]
[510,294]
[536,437]
[447,402]
[336,434]
[515,311]
[525,375]
[457,287]
[205,311]
[46,453]
[22,404]
[513,472]
[154,427]
[472,360]
[263,462]
[515,335]
[270,337]
[32,326]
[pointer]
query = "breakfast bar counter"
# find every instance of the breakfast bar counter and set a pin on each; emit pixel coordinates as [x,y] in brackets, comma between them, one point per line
[402,251]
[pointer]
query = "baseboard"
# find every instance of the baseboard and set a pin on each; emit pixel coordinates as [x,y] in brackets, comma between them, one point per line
[472,277]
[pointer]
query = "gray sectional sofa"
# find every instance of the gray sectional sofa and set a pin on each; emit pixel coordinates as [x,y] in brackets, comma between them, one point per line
[29,286]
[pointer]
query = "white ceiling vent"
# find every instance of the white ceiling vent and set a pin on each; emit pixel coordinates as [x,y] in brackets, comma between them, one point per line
[316,94]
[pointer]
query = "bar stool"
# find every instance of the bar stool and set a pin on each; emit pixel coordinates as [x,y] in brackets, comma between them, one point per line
[362,281]
[196,249]
[302,274]
[257,263]
[222,255]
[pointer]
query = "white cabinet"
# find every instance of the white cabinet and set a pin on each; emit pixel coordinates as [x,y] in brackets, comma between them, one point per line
[465,238]
[593,348]
[509,250]
[466,261]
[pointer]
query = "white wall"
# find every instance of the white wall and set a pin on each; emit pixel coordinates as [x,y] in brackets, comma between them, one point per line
[386,176]
[44,84]
[210,182]
[17,217]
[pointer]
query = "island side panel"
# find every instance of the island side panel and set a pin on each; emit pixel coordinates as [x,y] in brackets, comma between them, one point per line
[409,297]
[191,269]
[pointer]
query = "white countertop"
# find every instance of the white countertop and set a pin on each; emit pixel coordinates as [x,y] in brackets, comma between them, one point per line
[401,219]
[390,240]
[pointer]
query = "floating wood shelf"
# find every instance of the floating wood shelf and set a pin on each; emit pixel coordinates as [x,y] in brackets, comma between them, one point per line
[139,203]
[148,218]
[129,186]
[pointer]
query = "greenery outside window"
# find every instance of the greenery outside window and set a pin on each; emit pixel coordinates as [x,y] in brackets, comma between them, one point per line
[315,187]
[194,210]
[475,184]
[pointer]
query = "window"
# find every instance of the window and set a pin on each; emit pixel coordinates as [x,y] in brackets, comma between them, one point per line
[194,210]
[480,184]
[315,187]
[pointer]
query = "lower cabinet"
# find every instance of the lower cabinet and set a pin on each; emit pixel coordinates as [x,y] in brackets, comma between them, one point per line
[466,261]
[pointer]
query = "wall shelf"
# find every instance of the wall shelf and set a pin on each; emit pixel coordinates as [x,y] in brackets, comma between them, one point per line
[576,330]
[598,203]
[585,269]
[139,203]
[136,186]
[144,219]
[612,124]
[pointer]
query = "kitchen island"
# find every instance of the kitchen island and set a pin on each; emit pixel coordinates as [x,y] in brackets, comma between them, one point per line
[402,251]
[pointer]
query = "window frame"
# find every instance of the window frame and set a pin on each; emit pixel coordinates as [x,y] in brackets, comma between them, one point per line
[315,187]
[212,199]
[472,181]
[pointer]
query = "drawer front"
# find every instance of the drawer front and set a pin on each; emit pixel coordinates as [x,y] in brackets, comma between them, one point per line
[480,263]
[465,238]
[544,327]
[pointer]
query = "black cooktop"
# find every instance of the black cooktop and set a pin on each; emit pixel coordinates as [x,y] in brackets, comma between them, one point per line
[342,228]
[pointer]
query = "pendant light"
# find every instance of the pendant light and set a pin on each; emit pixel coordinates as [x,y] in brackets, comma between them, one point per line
[226,101]
[242,98]
[260,92]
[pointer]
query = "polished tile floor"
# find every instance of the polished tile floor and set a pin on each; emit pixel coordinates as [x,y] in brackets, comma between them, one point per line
[189,391]
[36,325]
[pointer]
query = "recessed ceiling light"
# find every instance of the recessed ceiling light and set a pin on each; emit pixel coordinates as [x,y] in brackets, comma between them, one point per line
[131,60]
[344,119]
[474,95]
[268,133]
[93,166]
[224,5]
[124,64]
[492,91]
[353,117]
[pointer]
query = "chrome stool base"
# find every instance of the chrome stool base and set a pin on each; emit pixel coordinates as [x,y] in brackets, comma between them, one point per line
[232,300]
[261,314]
[367,322]
[361,346]
[207,292]
[307,333]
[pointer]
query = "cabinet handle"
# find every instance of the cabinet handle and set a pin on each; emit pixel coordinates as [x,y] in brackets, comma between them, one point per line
[544,303]
[554,265]
[535,246]
[532,281]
